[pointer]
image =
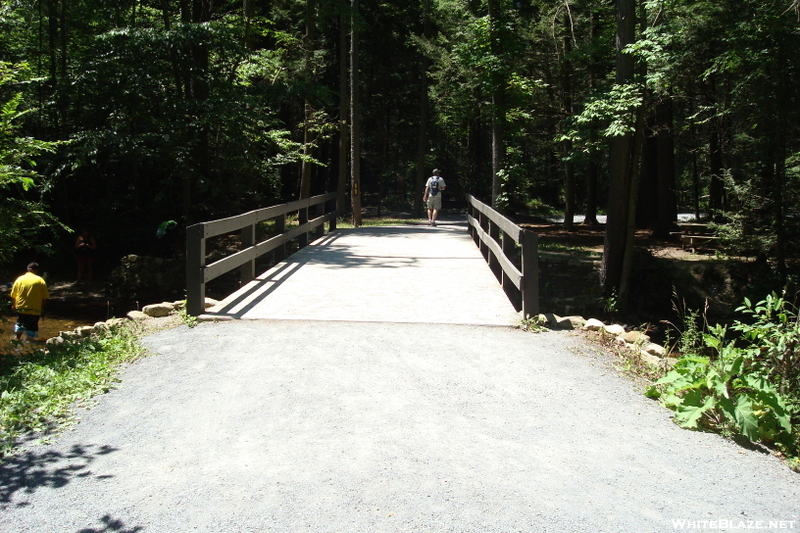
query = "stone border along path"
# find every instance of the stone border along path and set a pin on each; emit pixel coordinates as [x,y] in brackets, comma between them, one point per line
[343,426]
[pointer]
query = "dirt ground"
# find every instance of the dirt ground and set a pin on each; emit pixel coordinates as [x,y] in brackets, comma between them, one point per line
[665,277]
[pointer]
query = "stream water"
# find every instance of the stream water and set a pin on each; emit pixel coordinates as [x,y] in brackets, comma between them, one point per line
[67,309]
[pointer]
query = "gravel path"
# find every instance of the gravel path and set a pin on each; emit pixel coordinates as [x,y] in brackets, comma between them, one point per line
[300,426]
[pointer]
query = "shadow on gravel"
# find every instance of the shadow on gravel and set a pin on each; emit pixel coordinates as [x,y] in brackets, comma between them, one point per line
[111,524]
[747,444]
[27,472]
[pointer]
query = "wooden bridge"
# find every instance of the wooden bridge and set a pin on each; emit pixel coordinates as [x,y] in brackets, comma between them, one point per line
[410,273]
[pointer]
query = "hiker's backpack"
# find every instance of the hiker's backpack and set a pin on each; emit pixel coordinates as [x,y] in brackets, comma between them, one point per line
[433,190]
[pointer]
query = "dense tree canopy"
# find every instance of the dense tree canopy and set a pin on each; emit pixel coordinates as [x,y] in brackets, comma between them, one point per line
[191,109]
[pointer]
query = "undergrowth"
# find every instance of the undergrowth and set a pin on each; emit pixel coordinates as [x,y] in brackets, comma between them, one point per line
[742,380]
[347,223]
[40,387]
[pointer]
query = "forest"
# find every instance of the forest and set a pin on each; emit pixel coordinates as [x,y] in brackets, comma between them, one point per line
[118,115]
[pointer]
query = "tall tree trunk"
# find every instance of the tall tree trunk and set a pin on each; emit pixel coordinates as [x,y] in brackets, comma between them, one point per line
[715,189]
[498,107]
[311,32]
[186,18]
[635,176]
[64,86]
[52,49]
[647,201]
[166,17]
[64,38]
[344,111]
[621,171]
[665,156]
[778,194]
[198,91]
[355,123]
[592,175]
[778,200]
[715,162]
[569,167]
[249,11]
[630,232]
[422,142]
[593,166]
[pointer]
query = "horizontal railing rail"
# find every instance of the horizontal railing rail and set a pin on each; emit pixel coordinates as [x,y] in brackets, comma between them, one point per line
[198,273]
[501,242]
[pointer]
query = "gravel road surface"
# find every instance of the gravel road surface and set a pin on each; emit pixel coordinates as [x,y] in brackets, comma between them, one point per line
[301,426]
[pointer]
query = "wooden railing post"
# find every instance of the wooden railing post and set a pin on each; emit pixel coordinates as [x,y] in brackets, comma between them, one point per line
[482,219]
[494,264]
[302,218]
[509,249]
[195,262]
[280,227]
[319,210]
[331,207]
[247,272]
[530,274]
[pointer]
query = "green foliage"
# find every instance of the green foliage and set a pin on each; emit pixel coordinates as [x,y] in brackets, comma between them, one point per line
[745,386]
[190,320]
[169,116]
[611,303]
[775,330]
[345,222]
[746,230]
[534,324]
[609,114]
[39,388]
[23,216]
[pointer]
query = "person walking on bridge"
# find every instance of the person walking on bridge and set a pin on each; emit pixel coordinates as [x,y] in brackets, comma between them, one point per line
[433,196]
[28,296]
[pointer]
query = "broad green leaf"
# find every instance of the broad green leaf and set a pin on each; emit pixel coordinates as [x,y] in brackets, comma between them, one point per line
[689,415]
[745,418]
[728,407]
[778,406]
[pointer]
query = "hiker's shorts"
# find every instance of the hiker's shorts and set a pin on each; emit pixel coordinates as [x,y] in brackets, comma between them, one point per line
[29,324]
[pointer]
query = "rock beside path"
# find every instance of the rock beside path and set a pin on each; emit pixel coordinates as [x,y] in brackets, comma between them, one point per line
[148,312]
[635,341]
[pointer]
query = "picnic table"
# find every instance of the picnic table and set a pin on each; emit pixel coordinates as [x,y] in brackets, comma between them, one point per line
[693,234]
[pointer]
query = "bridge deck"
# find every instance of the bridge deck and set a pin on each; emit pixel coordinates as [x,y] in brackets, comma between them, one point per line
[379,274]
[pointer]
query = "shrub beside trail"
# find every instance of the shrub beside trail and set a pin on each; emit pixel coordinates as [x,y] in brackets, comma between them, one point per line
[745,386]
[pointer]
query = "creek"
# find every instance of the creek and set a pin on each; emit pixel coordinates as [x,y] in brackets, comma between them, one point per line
[68,309]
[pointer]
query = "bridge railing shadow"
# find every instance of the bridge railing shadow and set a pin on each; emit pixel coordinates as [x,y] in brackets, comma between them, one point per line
[327,251]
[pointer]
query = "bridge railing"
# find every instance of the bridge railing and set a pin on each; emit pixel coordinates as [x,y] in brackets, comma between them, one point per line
[511,251]
[198,273]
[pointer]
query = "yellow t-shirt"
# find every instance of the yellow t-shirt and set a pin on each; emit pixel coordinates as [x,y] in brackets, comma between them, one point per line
[28,292]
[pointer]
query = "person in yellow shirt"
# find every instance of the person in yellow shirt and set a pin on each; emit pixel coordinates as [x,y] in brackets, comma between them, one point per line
[28,296]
